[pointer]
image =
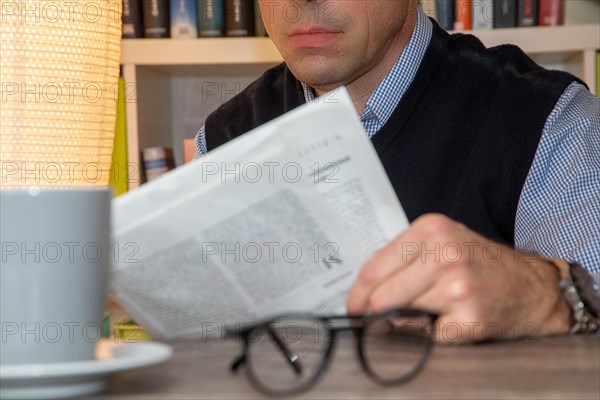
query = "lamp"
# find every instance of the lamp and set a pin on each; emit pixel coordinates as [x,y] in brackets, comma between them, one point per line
[59,70]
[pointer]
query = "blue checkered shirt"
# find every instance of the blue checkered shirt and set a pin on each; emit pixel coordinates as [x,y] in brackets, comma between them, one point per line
[559,208]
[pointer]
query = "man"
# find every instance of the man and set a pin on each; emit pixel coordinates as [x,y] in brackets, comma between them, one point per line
[484,149]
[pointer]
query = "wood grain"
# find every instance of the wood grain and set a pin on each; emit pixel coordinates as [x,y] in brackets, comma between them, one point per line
[550,368]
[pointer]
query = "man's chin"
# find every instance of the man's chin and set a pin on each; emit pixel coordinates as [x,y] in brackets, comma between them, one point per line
[318,76]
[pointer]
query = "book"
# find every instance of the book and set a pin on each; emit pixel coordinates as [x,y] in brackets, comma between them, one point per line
[483,14]
[445,13]
[239,18]
[189,149]
[551,12]
[184,19]
[462,18]
[429,7]
[133,25]
[211,18]
[259,25]
[118,169]
[505,13]
[157,161]
[156,18]
[527,13]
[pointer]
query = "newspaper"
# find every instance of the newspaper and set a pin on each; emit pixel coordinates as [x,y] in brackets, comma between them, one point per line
[277,221]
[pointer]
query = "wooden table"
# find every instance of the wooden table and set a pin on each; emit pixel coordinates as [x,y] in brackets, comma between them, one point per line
[550,368]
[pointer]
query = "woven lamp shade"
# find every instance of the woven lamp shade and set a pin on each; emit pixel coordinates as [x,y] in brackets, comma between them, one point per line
[59,69]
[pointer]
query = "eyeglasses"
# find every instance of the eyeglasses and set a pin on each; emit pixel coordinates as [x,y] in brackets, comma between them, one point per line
[288,355]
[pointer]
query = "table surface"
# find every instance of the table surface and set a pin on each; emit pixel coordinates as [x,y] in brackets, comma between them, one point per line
[552,368]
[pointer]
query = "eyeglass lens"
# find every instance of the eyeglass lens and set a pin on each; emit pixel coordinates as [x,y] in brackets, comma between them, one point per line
[287,354]
[394,348]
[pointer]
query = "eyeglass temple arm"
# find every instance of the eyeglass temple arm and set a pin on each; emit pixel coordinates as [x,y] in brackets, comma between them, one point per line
[290,356]
[235,365]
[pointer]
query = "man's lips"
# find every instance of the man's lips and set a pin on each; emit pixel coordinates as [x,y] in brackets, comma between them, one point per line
[313,37]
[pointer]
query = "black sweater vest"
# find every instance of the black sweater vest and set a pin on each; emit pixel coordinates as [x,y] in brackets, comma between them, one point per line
[460,142]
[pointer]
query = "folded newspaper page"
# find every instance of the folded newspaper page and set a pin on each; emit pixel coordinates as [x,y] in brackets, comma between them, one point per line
[277,221]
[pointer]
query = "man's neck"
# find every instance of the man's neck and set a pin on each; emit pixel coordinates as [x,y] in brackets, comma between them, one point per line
[362,88]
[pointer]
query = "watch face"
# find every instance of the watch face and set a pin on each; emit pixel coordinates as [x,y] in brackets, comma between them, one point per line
[588,287]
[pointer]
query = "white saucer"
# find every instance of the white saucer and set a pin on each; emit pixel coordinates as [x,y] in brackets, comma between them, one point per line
[71,379]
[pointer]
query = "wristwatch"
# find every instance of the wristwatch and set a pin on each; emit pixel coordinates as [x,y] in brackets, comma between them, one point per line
[582,293]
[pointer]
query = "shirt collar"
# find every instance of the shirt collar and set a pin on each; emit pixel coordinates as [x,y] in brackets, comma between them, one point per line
[388,94]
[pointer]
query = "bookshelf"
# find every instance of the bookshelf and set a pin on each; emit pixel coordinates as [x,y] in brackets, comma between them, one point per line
[168,79]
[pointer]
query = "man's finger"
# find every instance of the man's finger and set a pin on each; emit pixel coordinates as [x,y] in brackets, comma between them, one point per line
[419,244]
[398,253]
[402,287]
[377,270]
[443,296]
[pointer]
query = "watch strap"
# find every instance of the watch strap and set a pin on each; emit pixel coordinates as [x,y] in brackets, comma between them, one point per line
[583,320]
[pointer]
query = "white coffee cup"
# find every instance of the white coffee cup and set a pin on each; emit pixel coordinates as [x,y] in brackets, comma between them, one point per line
[54,270]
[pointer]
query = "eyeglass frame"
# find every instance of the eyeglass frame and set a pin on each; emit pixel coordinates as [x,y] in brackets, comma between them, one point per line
[332,332]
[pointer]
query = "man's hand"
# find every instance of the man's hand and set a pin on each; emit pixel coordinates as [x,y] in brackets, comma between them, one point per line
[481,289]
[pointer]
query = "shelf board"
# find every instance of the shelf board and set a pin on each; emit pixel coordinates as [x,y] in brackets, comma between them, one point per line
[544,39]
[213,51]
[244,51]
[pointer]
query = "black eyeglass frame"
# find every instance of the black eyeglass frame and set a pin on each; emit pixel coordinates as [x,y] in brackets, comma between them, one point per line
[332,332]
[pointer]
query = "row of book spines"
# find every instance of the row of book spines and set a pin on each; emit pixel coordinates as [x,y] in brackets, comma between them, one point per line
[185,19]
[157,161]
[489,14]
